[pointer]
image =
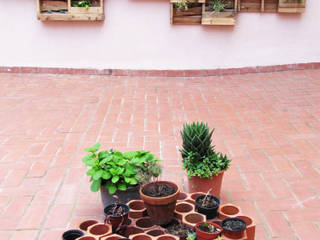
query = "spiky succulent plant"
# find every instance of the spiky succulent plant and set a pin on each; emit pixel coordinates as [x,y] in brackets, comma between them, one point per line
[198,154]
[196,138]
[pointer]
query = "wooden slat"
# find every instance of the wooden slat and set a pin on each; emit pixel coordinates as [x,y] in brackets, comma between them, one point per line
[187,20]
[53,5]
[71,17]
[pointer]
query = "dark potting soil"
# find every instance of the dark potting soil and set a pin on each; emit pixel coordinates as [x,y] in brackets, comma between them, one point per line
[116,211]
[159,190]
[208,228]
[178,229]
[234,225]
[208,202]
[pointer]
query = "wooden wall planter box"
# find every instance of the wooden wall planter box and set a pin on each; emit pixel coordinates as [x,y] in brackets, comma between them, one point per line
[258,5]
[292,6]
[228,17]
[190,16]
[61,10]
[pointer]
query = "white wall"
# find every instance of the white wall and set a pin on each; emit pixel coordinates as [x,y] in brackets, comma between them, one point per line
[137,34]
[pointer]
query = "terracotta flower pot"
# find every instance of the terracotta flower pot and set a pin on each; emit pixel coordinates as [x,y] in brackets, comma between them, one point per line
[197,184]
[202,235]
[160,209]
[117,221]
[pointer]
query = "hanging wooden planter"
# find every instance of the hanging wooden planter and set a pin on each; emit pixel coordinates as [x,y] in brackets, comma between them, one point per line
[192,15]
[292,6]
[258,5]
[62,10]
[226,17]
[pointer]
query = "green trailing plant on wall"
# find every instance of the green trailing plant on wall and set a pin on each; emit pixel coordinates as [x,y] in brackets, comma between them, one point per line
[119,171]
[182,5]
[82,3]
[198,155]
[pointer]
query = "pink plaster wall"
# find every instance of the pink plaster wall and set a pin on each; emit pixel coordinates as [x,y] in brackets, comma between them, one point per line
[137,34]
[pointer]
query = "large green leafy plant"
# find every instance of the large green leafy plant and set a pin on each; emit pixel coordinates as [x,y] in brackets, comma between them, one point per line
[119,171]
[198,154]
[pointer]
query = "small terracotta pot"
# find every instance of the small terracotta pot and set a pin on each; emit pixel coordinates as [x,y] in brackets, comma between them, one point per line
[155,232]
[100,229]
[137,208]
[72,234]
[86,224]
[228,211]
[233,234]
[201,235]
[183,208]
[144,223]
[117,221]
[251,227]
[160,209]
[87,238]
[182,196]
[112,237]
[205,184]
[191,219]
[130,230]
[167,237]
[140,236]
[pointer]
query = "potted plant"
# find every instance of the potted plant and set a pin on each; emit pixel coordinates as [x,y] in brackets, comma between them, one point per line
[233,227]
[207,231]
[160,198]
[207,205]
[186,11]
[72,234]
[219,12]
[205,166]
[291,6]
[113,172]
[116,214]
[180,230]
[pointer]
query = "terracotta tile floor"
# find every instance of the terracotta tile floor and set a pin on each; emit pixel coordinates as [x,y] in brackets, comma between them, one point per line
[268,123]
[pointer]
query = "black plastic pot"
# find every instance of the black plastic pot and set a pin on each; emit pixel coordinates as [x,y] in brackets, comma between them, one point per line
[209,212]
[117,221]
[72,234]
[233,233]
[131,193]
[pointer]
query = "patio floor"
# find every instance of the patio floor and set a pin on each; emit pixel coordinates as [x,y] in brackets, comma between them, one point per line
[269,124]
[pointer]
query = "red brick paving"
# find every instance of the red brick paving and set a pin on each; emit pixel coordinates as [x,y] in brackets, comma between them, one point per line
[269,123]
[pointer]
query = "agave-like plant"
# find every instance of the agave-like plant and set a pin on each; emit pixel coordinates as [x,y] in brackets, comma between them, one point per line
[196,138]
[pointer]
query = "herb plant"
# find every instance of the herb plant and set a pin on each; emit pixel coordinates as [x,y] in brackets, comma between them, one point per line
[217,5]
[82,3]
[181,4]
[198,155]
[119,171]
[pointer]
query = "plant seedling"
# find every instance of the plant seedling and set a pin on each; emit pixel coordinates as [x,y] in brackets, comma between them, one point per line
[182,4]
[208,228]
[82,3]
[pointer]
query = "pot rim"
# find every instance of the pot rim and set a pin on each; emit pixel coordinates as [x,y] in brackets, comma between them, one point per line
[235,218]
[210,223]
[162,198]
[214,197]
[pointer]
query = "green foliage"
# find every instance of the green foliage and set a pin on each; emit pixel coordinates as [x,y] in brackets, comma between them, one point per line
[217,5]
[198,155]
[192,236]
[119,171]
[182,4]
[82,3]
[196,138]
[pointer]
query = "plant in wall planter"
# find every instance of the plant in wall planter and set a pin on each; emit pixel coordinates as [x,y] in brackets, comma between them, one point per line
[116,214]
[219,12]
[160,198]
[81,3]
[233,228]
[113,172]
[205,166]
[292,6]
[186,11]
[207,205]
[207,231]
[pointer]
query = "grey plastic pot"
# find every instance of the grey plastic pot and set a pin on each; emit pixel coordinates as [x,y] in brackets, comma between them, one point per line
[124,196]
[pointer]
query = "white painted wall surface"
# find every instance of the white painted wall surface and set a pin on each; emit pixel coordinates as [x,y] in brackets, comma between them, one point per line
[137,34]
